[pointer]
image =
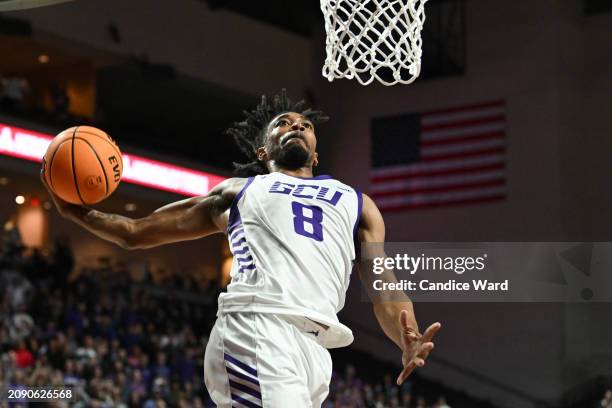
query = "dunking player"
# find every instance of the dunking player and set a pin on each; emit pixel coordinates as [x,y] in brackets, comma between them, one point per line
[293,240]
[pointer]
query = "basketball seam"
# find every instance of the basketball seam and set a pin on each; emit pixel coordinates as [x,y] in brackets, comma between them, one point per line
[51,163]
[99,161]
[76,183]
[107,140]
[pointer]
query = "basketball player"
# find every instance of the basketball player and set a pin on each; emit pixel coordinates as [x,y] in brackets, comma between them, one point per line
[293,239]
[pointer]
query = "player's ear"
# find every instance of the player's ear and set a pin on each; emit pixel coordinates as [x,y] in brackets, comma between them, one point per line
[315,161]
[262,155]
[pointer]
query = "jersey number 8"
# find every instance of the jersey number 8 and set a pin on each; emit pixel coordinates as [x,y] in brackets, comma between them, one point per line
[307,220]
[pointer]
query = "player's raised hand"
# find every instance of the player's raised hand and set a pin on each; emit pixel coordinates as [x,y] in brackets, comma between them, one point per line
[415,346]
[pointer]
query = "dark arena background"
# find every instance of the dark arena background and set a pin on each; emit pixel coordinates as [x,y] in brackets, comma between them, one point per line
[526,86]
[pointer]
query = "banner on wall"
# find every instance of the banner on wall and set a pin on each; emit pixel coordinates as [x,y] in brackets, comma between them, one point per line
[29,145]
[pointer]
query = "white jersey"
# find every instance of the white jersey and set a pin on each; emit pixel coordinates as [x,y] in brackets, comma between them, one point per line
[293,241]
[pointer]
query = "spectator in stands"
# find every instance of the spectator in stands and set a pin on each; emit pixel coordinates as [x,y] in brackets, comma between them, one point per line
[137,385]
[14,91]
[20,325]
[606,401]
[72,376]
[61,102]
[187,366]
[22,356]
[11,242]
[406,399]
[441,403]
[63,259]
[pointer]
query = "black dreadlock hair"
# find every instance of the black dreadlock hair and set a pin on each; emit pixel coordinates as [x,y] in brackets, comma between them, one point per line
[250,133]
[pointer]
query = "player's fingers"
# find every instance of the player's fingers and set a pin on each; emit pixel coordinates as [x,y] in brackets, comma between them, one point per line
[431,331]
[423,355]
[425,349]
[410,342]
[42,177]
[403,317]
[44,182]
[407,324]
[427,346]
[406,372]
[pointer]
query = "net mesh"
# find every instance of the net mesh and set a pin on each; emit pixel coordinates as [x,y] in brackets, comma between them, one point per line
[373,39]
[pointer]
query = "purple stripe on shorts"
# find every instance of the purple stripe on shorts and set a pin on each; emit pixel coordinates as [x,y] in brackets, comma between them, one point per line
[245,260]
[240,364]
[235,233]
[239,242]
[247,390]
[241,376]
[241,251]
[247,268]
[245,402]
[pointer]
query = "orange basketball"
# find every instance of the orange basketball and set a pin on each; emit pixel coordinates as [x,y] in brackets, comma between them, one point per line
[83,165]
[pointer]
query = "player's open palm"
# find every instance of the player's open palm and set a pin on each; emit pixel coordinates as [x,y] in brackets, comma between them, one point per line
[415,346]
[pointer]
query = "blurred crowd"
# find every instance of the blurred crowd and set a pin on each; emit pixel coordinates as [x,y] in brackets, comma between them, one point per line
[49,103]
[606,401]
[350,391]
[114,345]
[120,344]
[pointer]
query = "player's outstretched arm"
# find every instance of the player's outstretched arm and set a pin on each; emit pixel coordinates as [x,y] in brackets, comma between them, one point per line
[394,312]
[183,220]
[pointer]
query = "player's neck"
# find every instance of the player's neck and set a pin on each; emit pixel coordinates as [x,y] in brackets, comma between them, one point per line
[304,172]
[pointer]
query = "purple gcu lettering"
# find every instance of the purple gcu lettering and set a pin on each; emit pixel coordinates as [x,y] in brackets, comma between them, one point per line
[298,192]
[322,195]
[307,191]
[281,188]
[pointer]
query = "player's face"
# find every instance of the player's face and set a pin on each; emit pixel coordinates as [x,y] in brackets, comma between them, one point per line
[291,141]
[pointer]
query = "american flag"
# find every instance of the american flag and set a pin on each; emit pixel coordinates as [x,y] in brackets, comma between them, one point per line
[439,158]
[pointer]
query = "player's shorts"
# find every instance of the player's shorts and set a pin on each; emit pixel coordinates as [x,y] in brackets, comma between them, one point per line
[264,360]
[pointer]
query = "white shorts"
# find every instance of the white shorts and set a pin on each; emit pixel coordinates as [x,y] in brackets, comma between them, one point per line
[265,360]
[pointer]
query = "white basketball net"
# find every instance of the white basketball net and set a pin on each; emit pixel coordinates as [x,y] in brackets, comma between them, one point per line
[373,39]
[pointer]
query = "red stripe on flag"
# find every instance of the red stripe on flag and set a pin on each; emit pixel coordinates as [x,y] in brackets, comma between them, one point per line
[426,173]
[465,123]
[475,106]
[476,153]
[453,187]
[448,203]
[470,138]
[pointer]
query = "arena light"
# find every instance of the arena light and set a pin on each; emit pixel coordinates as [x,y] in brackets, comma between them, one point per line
[19,199]
[29,145]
